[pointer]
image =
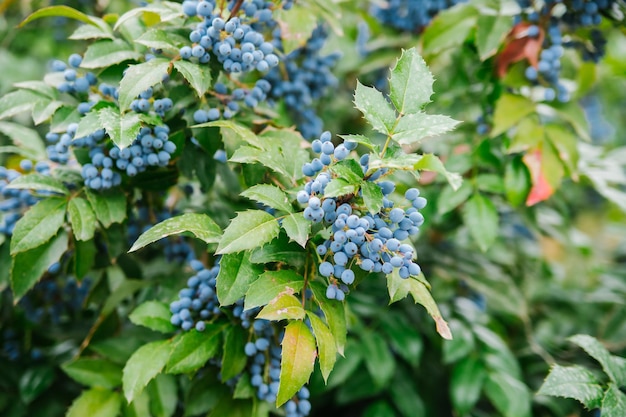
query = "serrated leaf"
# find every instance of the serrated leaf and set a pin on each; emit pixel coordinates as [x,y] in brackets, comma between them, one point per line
[430,162]
[154,315]
[40,223]
[24,137]
[38,182]
[372,196]
[614,402]
[94,372]
[296,26]
[82,218]
[250,229]
[270,285]
[401,161]
[198,76]
[145,364]
[284,306]
[27,267]
[339,187]
[200,225]
[270,195]
[138,78]
[122,130]
[334,313]
[360,139]
[573,382]
[376,110]
[192,349]
[88,31]
[96,403]
[236,275]
[348,170]
[595,349]
[17,102]
[410,83]
[241,131]
[490,32]
[109,208]
[326,348]
[44,110]
[160,39]
[298,228]
[481,218]
[413,128]
[297,360]
[106,53]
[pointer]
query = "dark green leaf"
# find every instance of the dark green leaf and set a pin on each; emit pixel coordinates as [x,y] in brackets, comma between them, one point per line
[334,313]
[38,225]
[192,349]
[462,345]
[348,170]
[34,381]
[410,83]
[326,347]
[234,359]
[200,225]
[94,372]
[466,384]
[38,182]
[82,219]
[145,364]
[236,275]
[109,208]
[449,199]
[509,395]
[297,360]
[270,285]
[481,218]
[198,76]
[516,182]
[250,229]
[595,349]
[163,395]
[297,228]
[154,315]
[96,402]
[380,362]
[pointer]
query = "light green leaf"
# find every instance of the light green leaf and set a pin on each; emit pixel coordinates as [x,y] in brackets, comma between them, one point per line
[401,161]
[339,187]
[38,225]
[516,182]
[200,225]
[573,382]
[614,402]
[94,372]
[297,360]
[88,31]
[89,123]
[192,349]
[164,11]
[250,229]
[326,348]
[109,208]
[410,83]
[296,26]
[490,32]
[24,137]
[510,110]
[198,76]
[380,362]
[375,108]
[284,306]
[334,313]
[413,128]
[44,110]
[106,53]
[481,218]
[154,315]
[449,28]
[82,218]
[430,162]
[160,39]
[96,402]
[65,11]
[297,228]
[348,170]
[360,139]
[372,196]
[145,364]
[270,285]
[139,78]
[38,87]
[468,377]
[38,182]
[122,130]
[163,392]
[241,131]
[17,102]
[449,199]
[270,195]
[595,349]
[63,117]
[235,276]
[509,395]
[28,267]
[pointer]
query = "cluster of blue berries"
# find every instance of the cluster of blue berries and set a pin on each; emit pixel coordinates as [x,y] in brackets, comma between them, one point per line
[231,101]
[409,15]
[73,80]
[144,102]
[305,78]
[371,241]
[151,148]
[236,42]
[13,202]
[55,299]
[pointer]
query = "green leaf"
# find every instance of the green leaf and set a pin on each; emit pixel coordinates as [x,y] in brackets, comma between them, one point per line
[192,349]
[24,137]
[63,117]
[94,372]
[481,218]
[44,110]
[34,381]
[250,229]
[339,187]
[160,39]
[106,53]
[270,195]
[614,402]
[296,26]
[334,313]
[510,110]
[404,339]
[234,359]
[244,388]
[270,285]
[463,344]
[380,362]
[509,395]
[163,396]
[516,182]
[90,32]
[27,267]
[198,76]
[200,225]
[449,199]
[96,403]
[138,78]
[595,349]
[240,131]
[109,208]
[38,182]
[490,33]
[154,315]
[413,128]
[82,218]
[430,162]
[62,11]
[84,258]
[39,87]
[284,306]
[326,348]
[297,228]
[38,225]
[280,250]
[466,384]
[449,28]
[573,382]
[17,102]
[89,123]
[163,11]
[410,83]
[145,364]
[400,161]
[360,139]
[375,108]
[372,196]
[235,276]
[122,130]
[348,170]
[297,360]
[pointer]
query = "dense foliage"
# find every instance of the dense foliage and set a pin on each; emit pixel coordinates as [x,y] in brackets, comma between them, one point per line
[253,208]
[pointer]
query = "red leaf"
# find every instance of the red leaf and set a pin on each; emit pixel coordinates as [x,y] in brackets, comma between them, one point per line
[519,46]
[541,189]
